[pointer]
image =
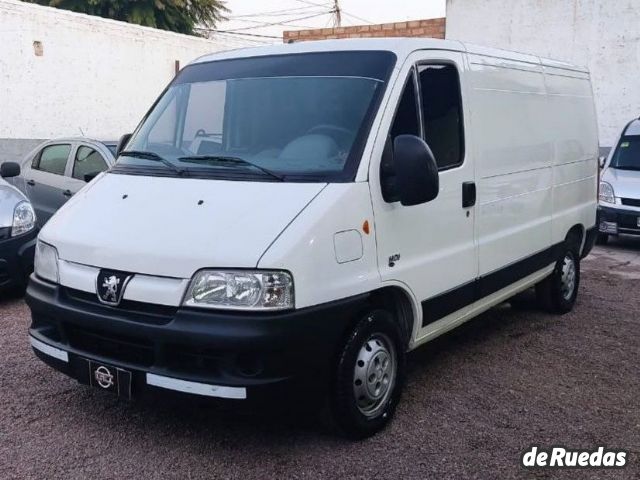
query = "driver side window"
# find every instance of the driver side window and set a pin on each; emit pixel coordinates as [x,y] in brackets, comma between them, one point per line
[405,122]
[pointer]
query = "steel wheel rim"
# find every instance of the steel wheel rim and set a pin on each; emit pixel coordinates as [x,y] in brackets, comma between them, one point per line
[374,374]
[568,276]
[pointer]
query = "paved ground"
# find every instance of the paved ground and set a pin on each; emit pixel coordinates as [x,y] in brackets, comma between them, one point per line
[475,400]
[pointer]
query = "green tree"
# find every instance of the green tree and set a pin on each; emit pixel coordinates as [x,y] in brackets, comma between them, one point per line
[181,16]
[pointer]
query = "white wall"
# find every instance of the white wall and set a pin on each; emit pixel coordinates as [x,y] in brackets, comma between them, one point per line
[96,76]
[602,34]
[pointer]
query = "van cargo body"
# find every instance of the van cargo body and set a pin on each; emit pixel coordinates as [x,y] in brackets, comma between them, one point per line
[306,214]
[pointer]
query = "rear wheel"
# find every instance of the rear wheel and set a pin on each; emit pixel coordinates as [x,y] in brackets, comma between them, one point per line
[369,376]
[558,292]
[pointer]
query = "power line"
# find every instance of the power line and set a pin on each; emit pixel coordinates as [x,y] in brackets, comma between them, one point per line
[284,22]
[262,24]
[355,16]
[213,30]
[285,11]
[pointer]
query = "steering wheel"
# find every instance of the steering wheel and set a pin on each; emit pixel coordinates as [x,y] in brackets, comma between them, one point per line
[341,135]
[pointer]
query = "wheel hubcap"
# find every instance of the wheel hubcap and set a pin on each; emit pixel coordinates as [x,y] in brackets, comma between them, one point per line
[374,374]
[568,277]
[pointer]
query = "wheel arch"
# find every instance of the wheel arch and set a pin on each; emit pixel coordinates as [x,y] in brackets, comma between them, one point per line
[402,305]
[577,236]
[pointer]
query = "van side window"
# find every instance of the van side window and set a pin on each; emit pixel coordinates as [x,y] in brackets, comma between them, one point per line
[442,113]
[405,122]
[53,159]
[406,119]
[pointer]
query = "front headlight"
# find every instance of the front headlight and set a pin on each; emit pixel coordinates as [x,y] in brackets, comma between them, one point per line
[24,219]
[46,262]
[241,290]
[606,193]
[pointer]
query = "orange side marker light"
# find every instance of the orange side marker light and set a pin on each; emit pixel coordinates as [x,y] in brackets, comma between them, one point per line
[365,227]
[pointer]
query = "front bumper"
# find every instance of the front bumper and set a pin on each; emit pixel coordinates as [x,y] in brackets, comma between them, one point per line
[16,258]
[613,221]
[219,354]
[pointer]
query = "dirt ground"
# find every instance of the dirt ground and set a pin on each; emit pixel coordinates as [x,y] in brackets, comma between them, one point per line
[475,400]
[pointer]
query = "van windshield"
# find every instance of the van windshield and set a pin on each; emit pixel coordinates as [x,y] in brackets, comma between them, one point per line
[627,154]
[298,117]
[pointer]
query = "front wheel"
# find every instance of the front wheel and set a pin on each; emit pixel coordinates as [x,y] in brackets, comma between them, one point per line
[558,292]
[369,376]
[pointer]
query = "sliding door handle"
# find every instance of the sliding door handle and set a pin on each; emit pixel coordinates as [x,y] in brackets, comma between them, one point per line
[468,194]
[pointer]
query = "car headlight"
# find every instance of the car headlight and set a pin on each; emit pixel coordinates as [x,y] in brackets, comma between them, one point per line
[24,219]
[241,290]
[46,262]
[606,193]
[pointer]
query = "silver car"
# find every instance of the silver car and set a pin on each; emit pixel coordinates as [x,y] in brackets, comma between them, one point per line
[57,169]
[17,232]
[619,203]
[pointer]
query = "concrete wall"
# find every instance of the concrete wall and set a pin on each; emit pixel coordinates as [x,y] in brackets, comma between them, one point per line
[602,34]
[433,27]
[67,74]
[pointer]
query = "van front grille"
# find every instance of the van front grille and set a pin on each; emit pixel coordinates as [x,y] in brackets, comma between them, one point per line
[630,202]
[110,345]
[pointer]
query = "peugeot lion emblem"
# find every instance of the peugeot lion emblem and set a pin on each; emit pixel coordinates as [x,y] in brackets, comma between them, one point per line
[110,286]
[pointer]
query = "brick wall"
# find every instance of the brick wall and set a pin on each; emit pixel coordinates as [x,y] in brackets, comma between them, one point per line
[434,28]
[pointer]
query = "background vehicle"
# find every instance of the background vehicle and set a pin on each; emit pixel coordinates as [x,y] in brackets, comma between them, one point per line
[54,171]
[17,232]
[304,214]
[619,202]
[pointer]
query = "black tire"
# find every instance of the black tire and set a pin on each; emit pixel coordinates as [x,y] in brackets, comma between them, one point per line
[346,410]
[554,292]
[602,239]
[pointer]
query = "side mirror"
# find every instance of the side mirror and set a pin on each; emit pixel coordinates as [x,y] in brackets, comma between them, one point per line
[9,169]
[416,170]
[601,161]
[124,139]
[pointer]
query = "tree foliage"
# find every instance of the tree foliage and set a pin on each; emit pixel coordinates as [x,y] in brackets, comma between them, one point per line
[181,16]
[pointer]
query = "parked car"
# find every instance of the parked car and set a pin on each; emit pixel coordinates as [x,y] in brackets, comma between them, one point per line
[619,203]
[301,216]
[57,169]
[17,232]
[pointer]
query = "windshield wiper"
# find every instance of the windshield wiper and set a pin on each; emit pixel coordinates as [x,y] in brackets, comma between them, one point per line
[155,157]
[222,159]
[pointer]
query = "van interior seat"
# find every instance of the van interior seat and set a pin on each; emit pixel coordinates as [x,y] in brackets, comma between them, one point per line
[311,148]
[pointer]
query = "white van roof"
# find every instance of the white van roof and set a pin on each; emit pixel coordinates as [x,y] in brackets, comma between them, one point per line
[401,46]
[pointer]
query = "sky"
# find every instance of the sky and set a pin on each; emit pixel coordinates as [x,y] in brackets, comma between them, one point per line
[256,22]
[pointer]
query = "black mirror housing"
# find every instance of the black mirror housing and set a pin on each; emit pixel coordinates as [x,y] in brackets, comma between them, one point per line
[416,170]
[9,169]
[124,139]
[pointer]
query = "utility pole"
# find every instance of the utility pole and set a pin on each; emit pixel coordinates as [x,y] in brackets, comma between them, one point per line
[337,14]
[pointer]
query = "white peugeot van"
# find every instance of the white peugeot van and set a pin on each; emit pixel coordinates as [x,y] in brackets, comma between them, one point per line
[303,215]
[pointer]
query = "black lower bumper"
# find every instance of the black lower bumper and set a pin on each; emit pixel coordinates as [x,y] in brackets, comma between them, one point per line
[16,259]
[626,221]
[256,351]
